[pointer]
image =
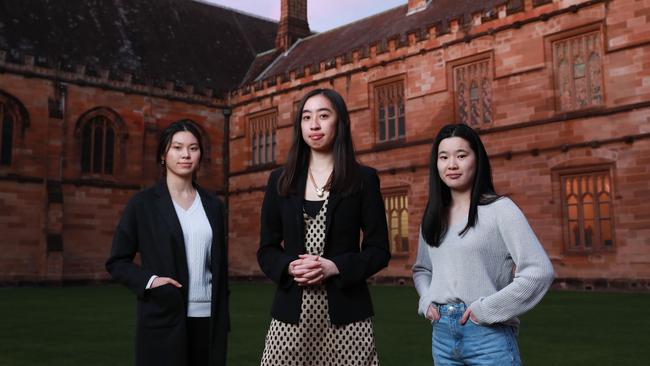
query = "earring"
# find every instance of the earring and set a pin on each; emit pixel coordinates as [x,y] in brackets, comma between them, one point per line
[162,163]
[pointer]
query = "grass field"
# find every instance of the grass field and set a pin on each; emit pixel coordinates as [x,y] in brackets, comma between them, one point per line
[94,326]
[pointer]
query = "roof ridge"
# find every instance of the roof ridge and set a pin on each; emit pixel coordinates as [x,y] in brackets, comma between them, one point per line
[433,23]
[238,11]
[285,54]
[355,22]
[277,59]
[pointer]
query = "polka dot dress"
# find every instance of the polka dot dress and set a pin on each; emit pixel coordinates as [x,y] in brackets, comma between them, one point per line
[315,341]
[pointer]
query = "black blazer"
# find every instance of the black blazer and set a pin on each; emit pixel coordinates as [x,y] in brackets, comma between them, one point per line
[149,225]
[282,221]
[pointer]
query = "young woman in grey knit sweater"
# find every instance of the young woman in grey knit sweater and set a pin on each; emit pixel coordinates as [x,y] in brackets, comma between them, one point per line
[479,263]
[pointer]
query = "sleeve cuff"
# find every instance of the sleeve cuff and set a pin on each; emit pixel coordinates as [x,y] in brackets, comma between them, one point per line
[423,305]
[150,282]
[478,311]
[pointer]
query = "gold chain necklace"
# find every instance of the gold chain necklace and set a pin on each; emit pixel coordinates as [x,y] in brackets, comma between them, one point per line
[320,192]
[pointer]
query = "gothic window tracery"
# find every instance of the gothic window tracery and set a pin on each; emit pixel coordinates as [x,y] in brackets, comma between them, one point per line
[397,204]
[390,113]
[587,204]
[473,92]
[101,137]
[263,130]
[97,146]
[580,85]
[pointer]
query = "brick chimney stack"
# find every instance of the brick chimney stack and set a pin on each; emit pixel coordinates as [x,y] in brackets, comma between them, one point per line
[417,5]
[293,23]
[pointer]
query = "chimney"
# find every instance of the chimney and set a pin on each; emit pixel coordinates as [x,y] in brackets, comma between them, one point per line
[417,5]
[293,23]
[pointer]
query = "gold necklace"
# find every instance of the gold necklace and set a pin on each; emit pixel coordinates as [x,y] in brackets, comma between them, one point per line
[320,192]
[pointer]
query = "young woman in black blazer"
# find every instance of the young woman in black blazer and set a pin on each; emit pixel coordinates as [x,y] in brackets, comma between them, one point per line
[181,283]
[314,210]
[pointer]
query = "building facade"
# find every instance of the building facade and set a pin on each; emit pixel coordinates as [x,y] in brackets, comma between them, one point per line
[558,89]
[85,90]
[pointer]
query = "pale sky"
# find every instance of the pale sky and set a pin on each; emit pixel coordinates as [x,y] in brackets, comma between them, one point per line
[322,14]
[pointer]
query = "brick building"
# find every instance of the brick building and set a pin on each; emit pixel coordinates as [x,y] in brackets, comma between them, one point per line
[85,89]
[559,91]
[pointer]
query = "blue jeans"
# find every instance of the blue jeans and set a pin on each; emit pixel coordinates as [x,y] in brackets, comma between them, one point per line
[471,344]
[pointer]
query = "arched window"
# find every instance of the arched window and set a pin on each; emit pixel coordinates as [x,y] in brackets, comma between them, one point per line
[98,146]
[13,116]
[100,137]
[6,135]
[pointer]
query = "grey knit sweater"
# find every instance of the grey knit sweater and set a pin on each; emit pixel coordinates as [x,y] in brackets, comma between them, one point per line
[197,235]
[498,268]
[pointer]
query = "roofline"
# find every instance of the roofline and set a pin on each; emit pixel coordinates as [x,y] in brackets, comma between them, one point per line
[283,54]
[266,52]
[354,22]
[213,4]
[262,75]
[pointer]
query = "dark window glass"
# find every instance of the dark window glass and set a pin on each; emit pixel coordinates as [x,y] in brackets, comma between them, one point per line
[86,146]
[108,158]
[98,144]
[7,138]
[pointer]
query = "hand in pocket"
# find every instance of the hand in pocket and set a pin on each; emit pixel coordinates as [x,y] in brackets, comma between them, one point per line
[432,314]
[159,281]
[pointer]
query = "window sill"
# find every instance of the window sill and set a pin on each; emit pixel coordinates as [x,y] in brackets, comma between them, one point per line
[262,167]
[581,112]
[101,182]
[585,252]
[391,144]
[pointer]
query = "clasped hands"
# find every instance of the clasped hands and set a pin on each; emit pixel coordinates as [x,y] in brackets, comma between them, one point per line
[309,270]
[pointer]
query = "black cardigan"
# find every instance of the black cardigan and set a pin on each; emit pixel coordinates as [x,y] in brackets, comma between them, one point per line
[149,226]
[282,221]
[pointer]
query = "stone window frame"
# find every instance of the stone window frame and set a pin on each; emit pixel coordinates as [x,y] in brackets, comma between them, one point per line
[485,88]
[591,75]
[88,122]
[396,200]
[378,88]
[262,133]
[578,178]
[13,122]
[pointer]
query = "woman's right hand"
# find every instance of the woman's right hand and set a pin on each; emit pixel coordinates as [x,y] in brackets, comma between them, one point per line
[432,314]
[306,270]
[160,281]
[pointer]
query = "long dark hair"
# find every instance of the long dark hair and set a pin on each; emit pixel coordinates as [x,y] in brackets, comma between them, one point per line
[165,140]
[345,177]
[435,220]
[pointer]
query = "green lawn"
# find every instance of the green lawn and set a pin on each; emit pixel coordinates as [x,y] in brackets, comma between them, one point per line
[94,326]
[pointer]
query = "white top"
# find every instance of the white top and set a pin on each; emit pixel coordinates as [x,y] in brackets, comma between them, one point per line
[498,268]
[197,234]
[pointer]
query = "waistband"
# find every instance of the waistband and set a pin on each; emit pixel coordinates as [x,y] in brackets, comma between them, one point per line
[453,309]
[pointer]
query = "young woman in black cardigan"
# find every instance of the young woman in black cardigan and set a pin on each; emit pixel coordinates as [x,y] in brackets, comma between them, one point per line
[314,210]
[182,282]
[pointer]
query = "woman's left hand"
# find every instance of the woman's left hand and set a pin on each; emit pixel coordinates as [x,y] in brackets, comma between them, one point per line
[328,269]
[467,315]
